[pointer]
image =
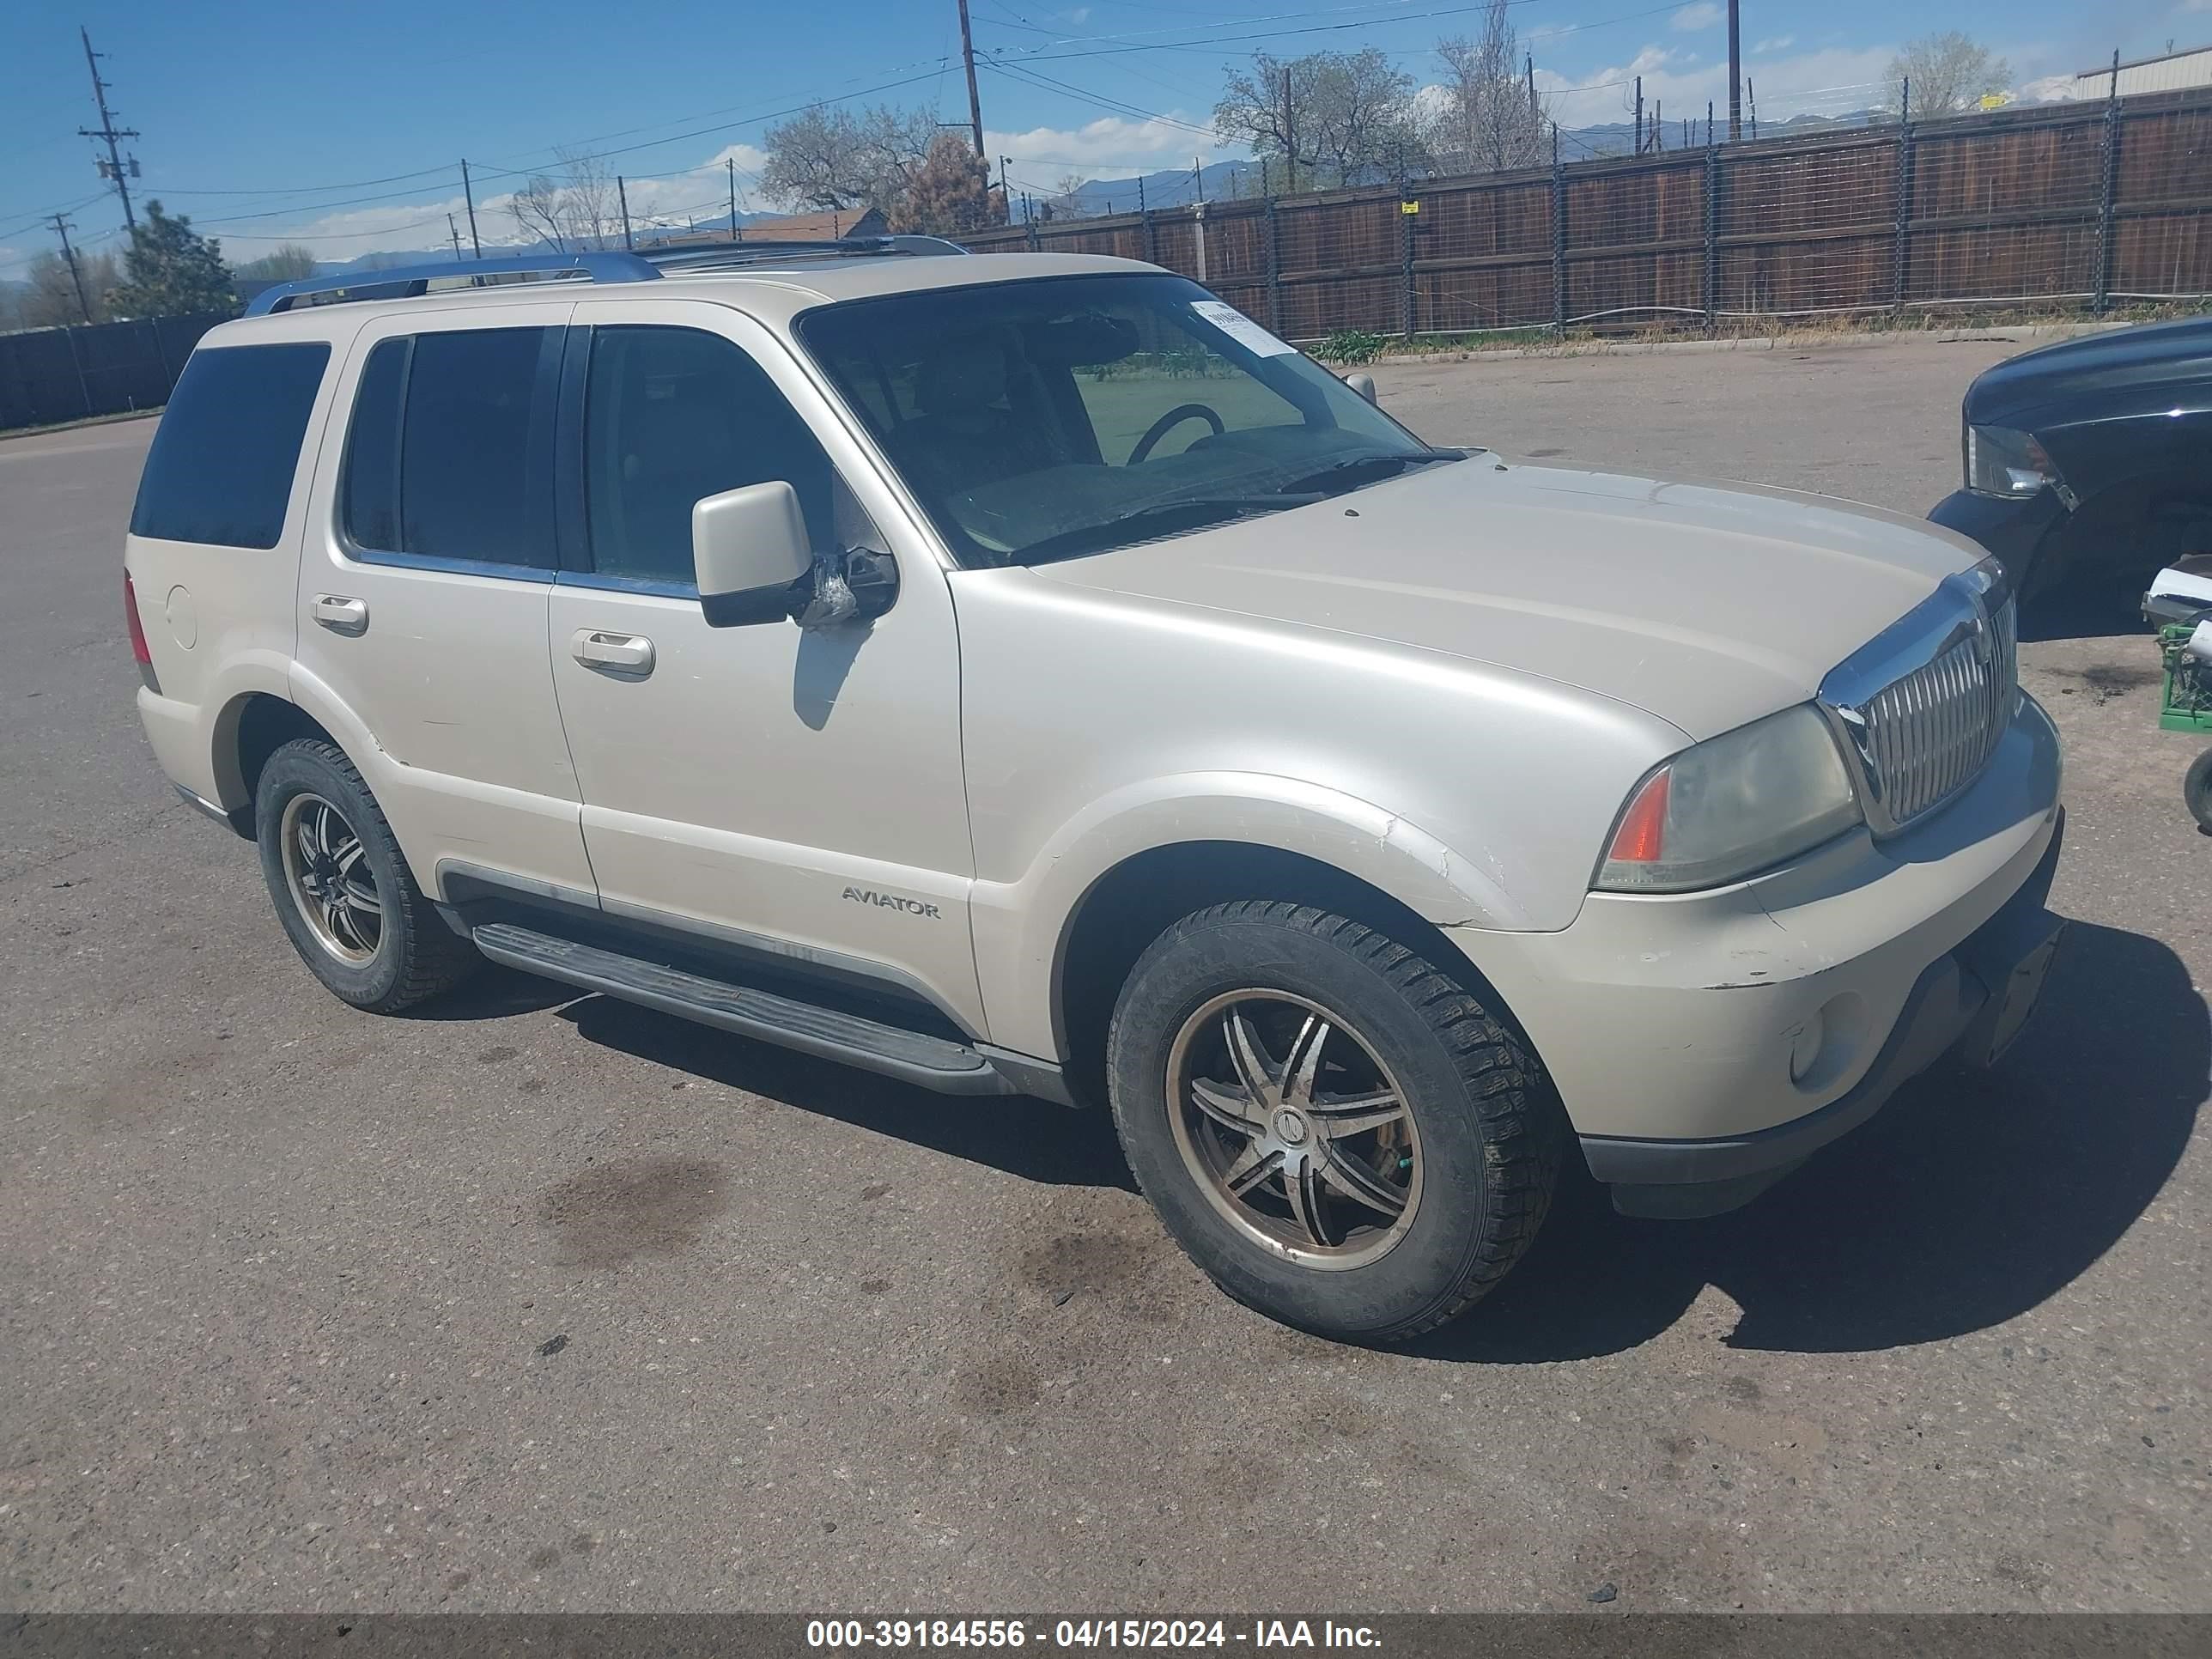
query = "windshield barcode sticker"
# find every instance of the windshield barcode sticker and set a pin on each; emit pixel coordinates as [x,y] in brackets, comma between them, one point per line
[1240,328]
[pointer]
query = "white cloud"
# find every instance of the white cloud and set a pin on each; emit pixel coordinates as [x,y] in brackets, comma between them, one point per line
[1111,144]
[1774,43]
[1698,14]
[1075,18]
[2055,89]
[2194,5]
[1833,80]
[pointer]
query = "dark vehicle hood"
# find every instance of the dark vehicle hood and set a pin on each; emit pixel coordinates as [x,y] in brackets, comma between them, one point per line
[2108,373]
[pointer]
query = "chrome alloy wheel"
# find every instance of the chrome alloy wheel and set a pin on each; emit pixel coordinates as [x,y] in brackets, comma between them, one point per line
[326,868]
[1295,1132]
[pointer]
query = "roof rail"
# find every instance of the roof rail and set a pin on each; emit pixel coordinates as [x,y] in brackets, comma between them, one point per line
[405,282]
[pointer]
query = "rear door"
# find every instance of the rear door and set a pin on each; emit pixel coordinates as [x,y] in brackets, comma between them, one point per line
[424,586]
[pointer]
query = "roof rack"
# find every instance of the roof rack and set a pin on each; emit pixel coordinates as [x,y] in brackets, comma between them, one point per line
[406,281]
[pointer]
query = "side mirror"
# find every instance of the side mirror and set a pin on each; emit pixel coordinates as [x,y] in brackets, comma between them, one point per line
[1363,384]
[750,551]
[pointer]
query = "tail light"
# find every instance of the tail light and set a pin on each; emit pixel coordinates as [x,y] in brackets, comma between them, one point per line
[139,653]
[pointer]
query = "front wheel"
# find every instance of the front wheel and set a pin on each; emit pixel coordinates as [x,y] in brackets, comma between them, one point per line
[1341,1134]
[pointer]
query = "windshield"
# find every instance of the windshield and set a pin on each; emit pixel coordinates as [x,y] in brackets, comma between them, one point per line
[1053,417]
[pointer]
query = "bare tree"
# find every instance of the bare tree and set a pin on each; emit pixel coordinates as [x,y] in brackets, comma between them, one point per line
[1950,74]
[1488,122]
[835,160]
[287,262]
[575,211]
[49,296]
[1274,109]
[1363,108]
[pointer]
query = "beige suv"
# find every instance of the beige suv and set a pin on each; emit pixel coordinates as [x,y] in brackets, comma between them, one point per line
[1026,675]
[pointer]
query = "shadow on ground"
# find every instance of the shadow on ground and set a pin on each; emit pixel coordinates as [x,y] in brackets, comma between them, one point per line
[1032,1139]
[1969,1199]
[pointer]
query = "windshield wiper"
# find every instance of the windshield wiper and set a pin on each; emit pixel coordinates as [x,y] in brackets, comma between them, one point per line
[1160,518]
[1358,470]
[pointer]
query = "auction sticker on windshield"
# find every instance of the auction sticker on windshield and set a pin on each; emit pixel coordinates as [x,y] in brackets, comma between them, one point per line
[1240,328]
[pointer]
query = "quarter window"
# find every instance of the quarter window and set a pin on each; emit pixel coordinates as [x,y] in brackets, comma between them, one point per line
[674,415]
[220,468]
[449,453]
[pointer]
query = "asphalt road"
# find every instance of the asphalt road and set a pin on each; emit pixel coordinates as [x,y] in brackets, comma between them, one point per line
[532,1302]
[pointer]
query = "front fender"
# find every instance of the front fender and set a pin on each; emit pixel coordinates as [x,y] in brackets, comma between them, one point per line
[1022,926]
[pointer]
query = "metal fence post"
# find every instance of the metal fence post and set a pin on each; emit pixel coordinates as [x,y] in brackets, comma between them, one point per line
[1409,217]
[2105,191]
[1900,265]
[1558,236]
[1152,240]
[1030,226]
[1712,228]
[1274,270]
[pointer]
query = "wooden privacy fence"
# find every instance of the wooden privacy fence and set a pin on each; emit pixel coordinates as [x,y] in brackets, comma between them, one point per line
[2088,202]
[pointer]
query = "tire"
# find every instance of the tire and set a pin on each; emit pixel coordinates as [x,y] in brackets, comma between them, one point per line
[2196,790]
[1369,1234]
[342,888]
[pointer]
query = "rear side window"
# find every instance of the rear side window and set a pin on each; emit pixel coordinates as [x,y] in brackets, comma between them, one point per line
[220,468]
[449,451]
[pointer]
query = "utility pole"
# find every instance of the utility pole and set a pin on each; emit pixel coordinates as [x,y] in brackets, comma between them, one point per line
[732,162]
[974,103]
[1533,104]
[622,195]
[76,277]
[108,132]
[1735,74]
[1290,138]
[455,231]
[468,192]
[1007,187]
[1197,178]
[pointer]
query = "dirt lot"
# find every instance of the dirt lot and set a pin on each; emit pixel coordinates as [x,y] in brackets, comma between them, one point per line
[532,1302]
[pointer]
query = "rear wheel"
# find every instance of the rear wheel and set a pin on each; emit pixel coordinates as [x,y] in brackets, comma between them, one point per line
[1337,1131]
[342,888]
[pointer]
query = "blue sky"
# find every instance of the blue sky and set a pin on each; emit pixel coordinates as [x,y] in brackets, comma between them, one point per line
[342,126]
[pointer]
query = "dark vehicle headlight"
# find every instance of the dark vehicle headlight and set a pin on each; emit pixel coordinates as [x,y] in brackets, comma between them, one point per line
[2003,462]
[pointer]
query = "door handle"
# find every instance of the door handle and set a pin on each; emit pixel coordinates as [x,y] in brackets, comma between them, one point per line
[340,615]
[628,653]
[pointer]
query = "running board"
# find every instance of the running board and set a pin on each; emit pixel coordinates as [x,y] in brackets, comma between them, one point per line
[951,1069]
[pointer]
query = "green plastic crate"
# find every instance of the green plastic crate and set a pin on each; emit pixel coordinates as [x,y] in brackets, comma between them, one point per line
[2185,704]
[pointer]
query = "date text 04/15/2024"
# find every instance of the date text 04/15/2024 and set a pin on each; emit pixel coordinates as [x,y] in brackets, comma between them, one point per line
[856,1634]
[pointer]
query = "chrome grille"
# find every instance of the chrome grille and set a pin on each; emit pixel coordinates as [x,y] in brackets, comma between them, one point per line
[1924,706]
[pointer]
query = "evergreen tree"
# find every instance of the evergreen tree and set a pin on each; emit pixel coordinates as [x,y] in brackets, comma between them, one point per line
[171,270]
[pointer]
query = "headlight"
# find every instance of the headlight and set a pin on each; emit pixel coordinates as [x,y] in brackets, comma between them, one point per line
[1731,806]
[2003,462]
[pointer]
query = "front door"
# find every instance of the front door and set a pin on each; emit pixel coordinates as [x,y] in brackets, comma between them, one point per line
[797,790]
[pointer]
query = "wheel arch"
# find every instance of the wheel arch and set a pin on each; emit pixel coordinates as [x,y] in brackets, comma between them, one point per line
[1133,900]
[248,729]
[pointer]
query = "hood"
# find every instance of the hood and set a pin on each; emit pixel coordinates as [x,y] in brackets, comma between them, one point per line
[1706,604]
[2074,374]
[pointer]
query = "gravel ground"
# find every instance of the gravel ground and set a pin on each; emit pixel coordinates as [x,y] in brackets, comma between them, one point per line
[532,1302]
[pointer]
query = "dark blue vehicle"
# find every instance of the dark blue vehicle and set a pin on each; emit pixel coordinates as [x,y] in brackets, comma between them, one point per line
[2089,463]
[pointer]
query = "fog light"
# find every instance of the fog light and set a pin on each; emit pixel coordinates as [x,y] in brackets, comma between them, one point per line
[1805,1046]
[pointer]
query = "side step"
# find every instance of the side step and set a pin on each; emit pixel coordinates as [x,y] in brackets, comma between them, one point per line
[951,1069]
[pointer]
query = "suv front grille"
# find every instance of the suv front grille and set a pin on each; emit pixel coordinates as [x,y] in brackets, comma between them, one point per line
[1923,707]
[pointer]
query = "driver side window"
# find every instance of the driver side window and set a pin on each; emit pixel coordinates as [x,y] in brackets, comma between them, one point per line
[672,415]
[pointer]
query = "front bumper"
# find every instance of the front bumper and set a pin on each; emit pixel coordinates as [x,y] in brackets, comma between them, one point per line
[1702,1040]
[1969,1002]
[2011,527]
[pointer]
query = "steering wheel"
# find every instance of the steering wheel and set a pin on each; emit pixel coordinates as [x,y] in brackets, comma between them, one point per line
[1167,423]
